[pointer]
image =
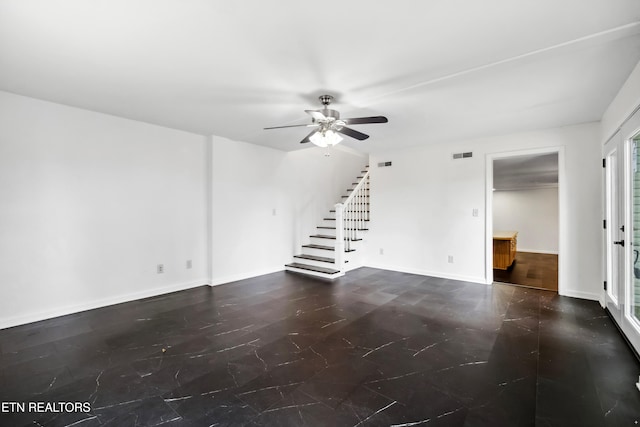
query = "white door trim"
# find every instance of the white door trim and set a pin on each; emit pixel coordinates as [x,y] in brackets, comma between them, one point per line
[614,213]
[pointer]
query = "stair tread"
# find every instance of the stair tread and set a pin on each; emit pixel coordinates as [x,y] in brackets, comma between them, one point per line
[324,236]
[361,203]
[326,248]
[346,228]
[323,247]
[316,258]
[312,268]
[333,219]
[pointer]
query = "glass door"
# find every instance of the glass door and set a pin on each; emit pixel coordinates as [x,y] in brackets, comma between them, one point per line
[631,293]
[622,228]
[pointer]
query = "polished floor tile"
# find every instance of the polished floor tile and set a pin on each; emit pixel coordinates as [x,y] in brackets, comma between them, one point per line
[374,348]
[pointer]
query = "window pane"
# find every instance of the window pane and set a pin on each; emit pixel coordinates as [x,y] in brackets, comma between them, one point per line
[635,292]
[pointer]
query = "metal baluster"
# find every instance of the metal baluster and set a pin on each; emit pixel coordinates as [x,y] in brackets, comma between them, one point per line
[358,208]
[346,227]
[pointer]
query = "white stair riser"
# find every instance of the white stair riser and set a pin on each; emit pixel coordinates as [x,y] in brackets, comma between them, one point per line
[359,234]
[326,231]
[332,232]
[332,242]
[327,254]
[314,273]
[319,252]
[324,242]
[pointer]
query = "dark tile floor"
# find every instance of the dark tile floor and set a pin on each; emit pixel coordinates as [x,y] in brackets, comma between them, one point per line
[531,269]
[373,348]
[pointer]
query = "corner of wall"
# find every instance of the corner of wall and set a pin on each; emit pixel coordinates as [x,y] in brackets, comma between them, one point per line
[625,103]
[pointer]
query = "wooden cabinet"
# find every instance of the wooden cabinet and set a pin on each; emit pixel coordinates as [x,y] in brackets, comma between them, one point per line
[504,248]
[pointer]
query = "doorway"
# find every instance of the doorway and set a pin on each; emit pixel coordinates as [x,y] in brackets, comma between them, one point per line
[525,209]
[525,199]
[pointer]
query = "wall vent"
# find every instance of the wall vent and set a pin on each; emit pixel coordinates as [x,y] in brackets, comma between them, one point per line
[463,155]
[384,164]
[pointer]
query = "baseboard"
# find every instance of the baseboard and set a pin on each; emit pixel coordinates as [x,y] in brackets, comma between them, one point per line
[581,295]
[624,336]
[537,251]
[104,302]
[216,281]
[421,272]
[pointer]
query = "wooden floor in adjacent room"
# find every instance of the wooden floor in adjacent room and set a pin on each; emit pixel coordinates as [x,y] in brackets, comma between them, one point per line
[533,270]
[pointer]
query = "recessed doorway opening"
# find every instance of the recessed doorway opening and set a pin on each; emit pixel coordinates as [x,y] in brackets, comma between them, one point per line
[523,222]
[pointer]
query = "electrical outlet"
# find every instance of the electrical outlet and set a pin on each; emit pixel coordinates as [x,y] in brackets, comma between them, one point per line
[474,212]
[450,259]
[381,251]
[273,212]
[189,264]
[160,268]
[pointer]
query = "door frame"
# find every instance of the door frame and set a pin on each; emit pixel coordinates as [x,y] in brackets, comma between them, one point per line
[629,327]
[615,213]
[562,209]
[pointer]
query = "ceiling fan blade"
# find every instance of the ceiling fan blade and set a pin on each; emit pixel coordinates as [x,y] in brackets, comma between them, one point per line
[364,120]
[317,115]
[291,126]
[306,138]
[352,133]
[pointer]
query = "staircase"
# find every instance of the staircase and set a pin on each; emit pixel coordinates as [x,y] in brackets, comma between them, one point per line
[329,251]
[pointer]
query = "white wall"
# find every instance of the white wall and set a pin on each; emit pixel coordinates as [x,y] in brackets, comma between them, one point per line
[250,183]
[89,205]
[422,207]
[627,99]
[533,213]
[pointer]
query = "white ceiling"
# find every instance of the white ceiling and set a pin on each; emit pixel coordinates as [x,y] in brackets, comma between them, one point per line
[526,172]
[440,70]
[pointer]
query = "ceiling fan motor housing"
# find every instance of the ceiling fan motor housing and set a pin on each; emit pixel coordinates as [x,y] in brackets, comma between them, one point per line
[333,114]
[325,99]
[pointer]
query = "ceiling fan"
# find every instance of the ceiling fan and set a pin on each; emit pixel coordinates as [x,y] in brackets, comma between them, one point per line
[327,125]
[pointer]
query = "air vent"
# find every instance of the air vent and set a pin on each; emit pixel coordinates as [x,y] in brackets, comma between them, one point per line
[463,155]
[384,164]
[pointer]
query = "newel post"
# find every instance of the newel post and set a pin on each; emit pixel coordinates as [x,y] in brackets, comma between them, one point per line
[339,251]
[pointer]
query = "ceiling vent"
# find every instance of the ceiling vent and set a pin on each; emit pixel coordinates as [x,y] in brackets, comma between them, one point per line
[462,155]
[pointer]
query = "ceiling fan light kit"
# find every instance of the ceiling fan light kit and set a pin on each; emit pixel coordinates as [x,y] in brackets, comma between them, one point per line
[328,125]
[325,139]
